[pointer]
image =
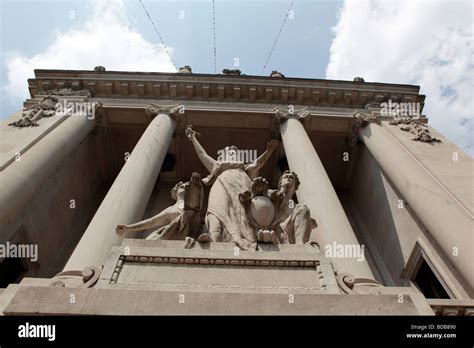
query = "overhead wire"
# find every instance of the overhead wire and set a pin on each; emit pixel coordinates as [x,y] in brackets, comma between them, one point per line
[214,34]
[159,35]
[277,37]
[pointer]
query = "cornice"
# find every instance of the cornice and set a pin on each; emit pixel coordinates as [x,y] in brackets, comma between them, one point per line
[223,88]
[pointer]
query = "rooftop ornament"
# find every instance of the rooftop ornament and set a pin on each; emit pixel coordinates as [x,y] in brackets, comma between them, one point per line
[231,72]
[276,73]
[185,70]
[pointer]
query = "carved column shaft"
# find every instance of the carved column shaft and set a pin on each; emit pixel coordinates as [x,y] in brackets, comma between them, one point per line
[444,218]
[128,197]
[317,192]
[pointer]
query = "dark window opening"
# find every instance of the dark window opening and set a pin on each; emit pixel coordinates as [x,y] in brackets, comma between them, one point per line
[428,283]
[11,269]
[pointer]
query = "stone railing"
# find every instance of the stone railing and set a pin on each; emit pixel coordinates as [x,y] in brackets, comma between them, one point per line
[452,307]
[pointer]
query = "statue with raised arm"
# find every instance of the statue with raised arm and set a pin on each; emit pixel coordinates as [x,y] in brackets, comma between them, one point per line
[181,220]
[226,219]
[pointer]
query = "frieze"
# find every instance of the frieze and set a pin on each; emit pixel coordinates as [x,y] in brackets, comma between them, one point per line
[226,262]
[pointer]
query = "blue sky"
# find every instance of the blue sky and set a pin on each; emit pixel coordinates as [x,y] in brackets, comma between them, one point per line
[427,43]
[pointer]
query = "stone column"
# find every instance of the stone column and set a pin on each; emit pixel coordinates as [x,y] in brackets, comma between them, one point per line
[449,224]
[21,179]
[128,197]
[318,194]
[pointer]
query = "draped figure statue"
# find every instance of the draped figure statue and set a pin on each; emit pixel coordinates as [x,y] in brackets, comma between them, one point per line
[226,218]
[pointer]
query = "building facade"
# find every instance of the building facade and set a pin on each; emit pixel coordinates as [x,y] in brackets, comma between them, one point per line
[230,194]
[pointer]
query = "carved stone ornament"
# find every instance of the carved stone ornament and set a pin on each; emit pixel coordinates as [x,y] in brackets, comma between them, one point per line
[176,112]
[50,105]
[153,110]
[262,210]
[359,121]
[283,115]
[231,72]
[33,113]
[351,285]
[185,70]
[276,73]
[415,126]
[77,279]
[272,214]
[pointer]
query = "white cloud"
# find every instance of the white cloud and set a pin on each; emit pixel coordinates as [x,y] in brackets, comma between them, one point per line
[424,43]
[105,39]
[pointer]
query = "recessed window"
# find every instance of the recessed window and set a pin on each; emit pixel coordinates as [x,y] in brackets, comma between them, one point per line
[428,283]
[11,269]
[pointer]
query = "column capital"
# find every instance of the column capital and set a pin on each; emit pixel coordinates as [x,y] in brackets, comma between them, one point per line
[282,116]
[97,110]
[173,111]
[360,120]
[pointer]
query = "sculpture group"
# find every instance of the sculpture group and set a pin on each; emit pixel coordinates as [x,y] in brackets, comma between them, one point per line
[241,208]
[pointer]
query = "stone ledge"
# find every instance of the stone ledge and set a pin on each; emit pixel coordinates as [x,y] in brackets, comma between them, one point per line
[30,300]
[168,265]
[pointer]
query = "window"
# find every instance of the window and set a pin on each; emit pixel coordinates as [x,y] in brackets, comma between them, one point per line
[427,282]
[428,272]
[11,269]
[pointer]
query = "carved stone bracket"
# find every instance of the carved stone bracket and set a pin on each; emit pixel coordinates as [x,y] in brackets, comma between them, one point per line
[351,285]
[415,126]
[77,279]
[359,121]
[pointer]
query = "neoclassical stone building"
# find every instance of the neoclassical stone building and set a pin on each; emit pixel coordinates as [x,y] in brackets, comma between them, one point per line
[347,201]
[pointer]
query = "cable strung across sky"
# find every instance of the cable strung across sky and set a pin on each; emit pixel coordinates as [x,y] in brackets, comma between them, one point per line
[277,37]
[214,33]
[158,33]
